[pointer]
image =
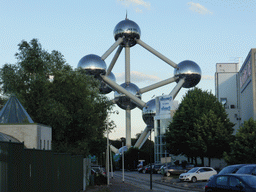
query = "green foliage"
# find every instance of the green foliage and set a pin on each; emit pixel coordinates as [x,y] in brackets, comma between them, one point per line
[243,148]
[200,127]
[56,95]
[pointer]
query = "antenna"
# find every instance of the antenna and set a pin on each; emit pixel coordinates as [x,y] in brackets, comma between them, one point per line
[126,15]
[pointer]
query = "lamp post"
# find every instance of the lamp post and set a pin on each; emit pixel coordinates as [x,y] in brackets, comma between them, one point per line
[123,139]
[108,151]
[107,156]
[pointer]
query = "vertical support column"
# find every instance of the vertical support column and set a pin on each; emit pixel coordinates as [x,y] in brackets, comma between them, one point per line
[128,111]
[127,65]
[128,128]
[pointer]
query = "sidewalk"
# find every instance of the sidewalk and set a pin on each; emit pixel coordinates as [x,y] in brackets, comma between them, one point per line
[116,185]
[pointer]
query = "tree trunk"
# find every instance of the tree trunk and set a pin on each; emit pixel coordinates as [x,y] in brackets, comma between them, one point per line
[202,160]
[209,159]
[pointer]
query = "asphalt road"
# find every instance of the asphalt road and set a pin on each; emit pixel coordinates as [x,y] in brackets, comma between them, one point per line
[159,183]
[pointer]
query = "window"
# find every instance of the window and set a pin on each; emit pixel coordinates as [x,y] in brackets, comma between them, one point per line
[207,169]
[222,180]
[234,181]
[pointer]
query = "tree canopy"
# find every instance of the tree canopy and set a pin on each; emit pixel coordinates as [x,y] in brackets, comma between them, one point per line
[200,127]
[56,95]
[243,147]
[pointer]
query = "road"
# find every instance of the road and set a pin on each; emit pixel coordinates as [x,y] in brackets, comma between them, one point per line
[143,181]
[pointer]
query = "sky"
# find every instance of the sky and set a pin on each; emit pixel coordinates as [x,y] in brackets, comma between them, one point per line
[204,31]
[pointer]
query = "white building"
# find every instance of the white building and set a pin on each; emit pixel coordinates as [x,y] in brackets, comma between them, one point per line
[165,109]
[236,89]
[16,122]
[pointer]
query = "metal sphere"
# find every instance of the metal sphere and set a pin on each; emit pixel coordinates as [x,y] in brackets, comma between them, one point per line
[125,102]
[129,30]
[93,65]
[105,88]
[149,112]
[191,71]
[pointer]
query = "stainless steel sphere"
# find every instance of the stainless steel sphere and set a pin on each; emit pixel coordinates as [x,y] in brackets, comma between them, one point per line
[105,88]
[93,65]
[191,71]
[125,102]
[129,30]
[149,112]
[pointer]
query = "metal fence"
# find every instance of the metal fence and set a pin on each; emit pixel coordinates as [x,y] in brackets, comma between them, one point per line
[26,170]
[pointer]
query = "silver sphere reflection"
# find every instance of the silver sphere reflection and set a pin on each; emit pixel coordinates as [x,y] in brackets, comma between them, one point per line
[93,65]
[125,102]
[149,112]
[105,88]
[191,71]
[129,30]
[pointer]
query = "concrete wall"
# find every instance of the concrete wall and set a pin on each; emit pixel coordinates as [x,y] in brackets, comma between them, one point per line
[33,135]
[44,137]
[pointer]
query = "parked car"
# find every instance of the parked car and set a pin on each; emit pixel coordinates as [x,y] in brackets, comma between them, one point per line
[247,169]
[231,169]
[144,169]
[163,167]
[97,170]
[156,168]
[198,173]
[231,182]
[175,170]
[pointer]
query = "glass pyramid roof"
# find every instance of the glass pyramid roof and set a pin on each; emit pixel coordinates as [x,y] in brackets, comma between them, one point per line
[13,112]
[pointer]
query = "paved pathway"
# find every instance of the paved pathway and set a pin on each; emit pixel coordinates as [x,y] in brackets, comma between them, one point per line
[168,184]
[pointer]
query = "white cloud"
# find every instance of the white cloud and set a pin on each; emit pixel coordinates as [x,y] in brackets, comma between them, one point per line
[196,7]
[136,4]
[137,77]
[207,77]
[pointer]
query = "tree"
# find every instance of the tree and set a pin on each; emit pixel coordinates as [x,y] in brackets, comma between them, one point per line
[200,127]
[56,95]
[243,147]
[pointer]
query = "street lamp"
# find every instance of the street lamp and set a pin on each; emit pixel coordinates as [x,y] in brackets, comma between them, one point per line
[108,153]
[123,140]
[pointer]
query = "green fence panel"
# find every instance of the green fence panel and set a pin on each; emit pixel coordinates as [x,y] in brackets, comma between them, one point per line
[4,147]
[77,173]
[62,172]
[26,170]
[15,167]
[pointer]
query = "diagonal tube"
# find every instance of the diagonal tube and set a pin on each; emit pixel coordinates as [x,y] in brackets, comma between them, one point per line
[157,85]
[139,143]
[120,89]
[156,53]
[112,48]
[114,60]
[177,88]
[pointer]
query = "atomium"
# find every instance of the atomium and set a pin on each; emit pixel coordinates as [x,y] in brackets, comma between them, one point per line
[127,96]
[93,65]
[190,71]
[105,88]
[129,30]
[125,102]
[149,112]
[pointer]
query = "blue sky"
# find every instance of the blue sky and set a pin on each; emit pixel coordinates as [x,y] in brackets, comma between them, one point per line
[204,31]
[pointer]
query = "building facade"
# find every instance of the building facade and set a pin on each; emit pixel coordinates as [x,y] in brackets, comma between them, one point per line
[165,109]
[236,89]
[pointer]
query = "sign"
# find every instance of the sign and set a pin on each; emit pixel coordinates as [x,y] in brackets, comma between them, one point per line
[246,72]
[165,104]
